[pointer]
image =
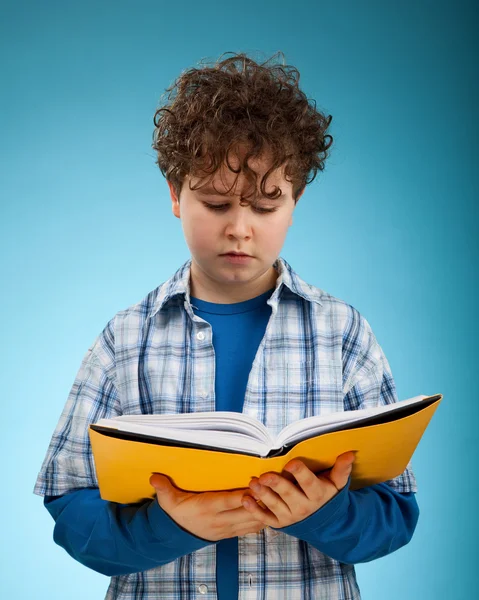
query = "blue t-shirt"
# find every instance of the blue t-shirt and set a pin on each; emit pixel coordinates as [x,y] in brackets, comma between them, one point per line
[237,332]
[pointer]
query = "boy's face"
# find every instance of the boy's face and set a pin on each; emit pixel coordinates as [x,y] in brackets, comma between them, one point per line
[217,225]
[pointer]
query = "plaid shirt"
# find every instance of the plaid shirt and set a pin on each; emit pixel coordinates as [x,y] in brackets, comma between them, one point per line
[318,356]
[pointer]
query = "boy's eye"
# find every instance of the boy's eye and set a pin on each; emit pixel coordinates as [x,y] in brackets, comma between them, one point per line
[216,206]
[223,207]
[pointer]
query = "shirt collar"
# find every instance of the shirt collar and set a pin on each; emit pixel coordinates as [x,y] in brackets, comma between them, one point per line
[179,285]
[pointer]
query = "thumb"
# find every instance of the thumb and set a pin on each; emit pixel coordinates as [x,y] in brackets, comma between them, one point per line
[165,491]
[341,470]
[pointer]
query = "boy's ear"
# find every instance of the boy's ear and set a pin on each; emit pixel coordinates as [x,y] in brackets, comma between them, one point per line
[175,204]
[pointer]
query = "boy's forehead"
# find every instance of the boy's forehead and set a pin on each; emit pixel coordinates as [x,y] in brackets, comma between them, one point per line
[225,179]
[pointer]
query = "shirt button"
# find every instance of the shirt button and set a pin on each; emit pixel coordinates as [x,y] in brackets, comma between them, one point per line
[200,336]
[204,395]
[202,589]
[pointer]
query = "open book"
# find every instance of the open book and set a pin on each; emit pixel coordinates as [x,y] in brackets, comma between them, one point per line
[223,450]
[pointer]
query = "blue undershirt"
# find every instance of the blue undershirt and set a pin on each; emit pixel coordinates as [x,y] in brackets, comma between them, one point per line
[237,332]
[116,539]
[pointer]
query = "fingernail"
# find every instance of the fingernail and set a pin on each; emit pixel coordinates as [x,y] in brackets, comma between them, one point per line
[255,486]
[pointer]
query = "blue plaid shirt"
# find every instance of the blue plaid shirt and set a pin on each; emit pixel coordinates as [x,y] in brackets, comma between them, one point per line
[318,356]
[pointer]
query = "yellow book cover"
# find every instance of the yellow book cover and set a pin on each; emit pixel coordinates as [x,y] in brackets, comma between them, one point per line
[128,449]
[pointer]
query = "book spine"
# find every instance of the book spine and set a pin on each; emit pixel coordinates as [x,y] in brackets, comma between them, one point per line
[274,452]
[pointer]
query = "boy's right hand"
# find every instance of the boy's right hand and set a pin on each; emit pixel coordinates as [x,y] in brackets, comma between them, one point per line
[211,516]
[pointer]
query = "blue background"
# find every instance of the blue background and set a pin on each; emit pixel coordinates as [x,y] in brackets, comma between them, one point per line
[390,226]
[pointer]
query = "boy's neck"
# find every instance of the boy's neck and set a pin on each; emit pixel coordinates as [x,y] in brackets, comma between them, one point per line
[204,288]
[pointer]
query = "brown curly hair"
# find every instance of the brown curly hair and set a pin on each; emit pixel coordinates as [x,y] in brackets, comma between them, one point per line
[213,110]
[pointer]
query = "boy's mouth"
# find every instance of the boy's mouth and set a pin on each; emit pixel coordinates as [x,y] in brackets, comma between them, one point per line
[237,258]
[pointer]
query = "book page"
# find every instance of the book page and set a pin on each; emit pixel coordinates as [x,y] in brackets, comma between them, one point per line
[228,430]
[221,440]
[312,426]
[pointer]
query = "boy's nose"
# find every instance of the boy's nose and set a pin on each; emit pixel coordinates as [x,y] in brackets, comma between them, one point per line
[239,225]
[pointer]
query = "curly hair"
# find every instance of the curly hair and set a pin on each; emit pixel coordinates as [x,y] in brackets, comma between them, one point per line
[213,110]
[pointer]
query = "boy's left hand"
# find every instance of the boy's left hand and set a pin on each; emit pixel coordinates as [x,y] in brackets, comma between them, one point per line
[286,503]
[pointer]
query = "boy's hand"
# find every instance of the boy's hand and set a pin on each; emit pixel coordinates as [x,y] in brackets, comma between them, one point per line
[212,516]
[286,503]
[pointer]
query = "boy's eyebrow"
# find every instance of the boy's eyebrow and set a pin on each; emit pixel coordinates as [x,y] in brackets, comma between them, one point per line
[209,191]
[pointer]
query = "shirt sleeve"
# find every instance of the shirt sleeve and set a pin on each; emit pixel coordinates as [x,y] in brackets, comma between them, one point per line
[368,381]
[117,539]
[108,537]
[362,525]
[68,464]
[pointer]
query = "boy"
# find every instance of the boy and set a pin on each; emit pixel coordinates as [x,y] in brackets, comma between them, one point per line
[235,328]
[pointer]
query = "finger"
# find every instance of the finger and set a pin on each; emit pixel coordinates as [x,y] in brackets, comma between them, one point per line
[309,484]
[264,515]
[292,496]
[161,483]
[269,497]
[168,495]
[238,518]
[226,501]
[255,496]
[341,470]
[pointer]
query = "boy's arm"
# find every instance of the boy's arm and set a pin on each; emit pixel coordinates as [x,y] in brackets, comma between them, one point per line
[108,537]
[350,526]
[361,525]
[117,539]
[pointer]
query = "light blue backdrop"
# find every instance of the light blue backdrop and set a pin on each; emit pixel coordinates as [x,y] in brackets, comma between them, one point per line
[390,226]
